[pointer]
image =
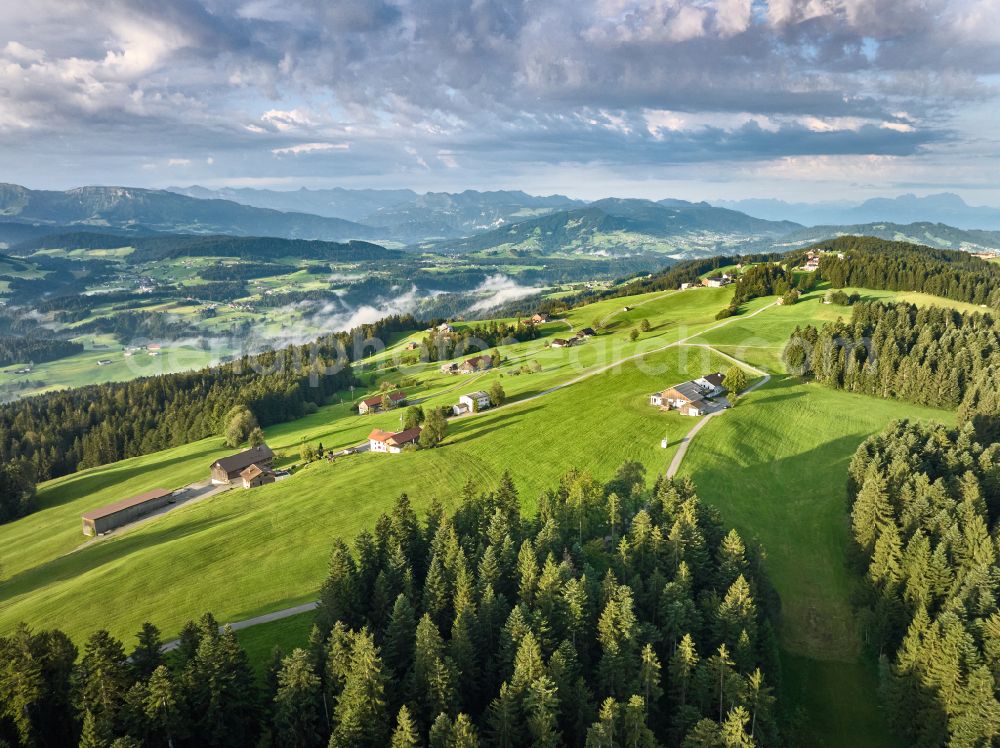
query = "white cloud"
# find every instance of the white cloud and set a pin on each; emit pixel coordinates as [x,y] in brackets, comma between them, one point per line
[20,53]
[179,162]
[286,120]
[501,289]
[732,16]
[296,150]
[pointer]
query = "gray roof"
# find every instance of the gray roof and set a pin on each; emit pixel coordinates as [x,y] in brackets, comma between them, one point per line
[689,390]
[244,459]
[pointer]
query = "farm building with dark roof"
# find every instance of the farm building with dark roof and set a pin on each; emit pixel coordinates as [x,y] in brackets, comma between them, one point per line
[107,518]
[229,468]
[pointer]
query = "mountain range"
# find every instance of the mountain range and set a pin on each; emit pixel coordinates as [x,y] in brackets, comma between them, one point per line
[945,207]
[142,210]
[499,222]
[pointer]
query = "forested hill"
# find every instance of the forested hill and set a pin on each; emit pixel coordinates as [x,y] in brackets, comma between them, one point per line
[868,262]
[167,246]
[602,226]
[931,356]
[925,508]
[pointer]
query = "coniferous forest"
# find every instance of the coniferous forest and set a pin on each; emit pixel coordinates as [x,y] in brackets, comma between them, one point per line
[620,615]
[925,506]
[926,355]
[868,262]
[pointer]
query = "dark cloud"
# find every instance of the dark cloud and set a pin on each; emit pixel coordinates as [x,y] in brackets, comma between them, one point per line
[411,86]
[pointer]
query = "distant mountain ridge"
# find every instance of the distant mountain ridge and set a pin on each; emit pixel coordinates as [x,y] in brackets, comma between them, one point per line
[402,215]
[946,207]
[616,226]
[162,211]
[936,235]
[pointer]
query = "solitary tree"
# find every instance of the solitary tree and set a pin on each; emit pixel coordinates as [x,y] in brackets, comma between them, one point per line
[634,335]
[414,416]
[240,422]
[736,380]
[497,395]
[434,430]
[645,326]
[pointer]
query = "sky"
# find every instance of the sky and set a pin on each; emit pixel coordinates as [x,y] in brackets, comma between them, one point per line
[805,100]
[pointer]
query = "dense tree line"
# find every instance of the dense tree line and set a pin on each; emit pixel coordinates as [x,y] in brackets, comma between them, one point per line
[925,508]
[617,616]
[244,271]
[171,246]
[17,491]
[868,262]
[32,349]
[132,326]
[441,346]
[620,615]
[764,279]
[926,355]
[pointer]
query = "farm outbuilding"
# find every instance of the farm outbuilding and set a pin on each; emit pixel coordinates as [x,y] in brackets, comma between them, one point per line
[229,468]
[255,476]
[107,518]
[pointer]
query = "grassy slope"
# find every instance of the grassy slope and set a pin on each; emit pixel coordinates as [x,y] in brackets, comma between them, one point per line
[791,456]
[245,553]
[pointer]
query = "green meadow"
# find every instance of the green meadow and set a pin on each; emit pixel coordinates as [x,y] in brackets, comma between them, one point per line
[775,466]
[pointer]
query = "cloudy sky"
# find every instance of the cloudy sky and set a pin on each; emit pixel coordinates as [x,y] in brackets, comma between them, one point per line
[701,99]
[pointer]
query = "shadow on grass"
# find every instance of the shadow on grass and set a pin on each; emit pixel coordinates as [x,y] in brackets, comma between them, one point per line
[81,484]
[94,556]
[475,428]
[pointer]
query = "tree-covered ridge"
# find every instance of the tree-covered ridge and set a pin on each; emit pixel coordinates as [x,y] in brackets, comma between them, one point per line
[925,506]
[439,345]
[60,432]
[620,615]
[926,355]
[868,262]
[32,349]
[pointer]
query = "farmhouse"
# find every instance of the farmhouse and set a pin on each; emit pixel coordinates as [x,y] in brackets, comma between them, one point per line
[586,332]
[711,384]
[229,468]
[690,397]
[472,402]
[374,404]
[255,475]
[718,281]
[386,441]
[561,343]
[412,345]
[107,518]
[685,397]
[445,327]
[104,362]
[539,319]
[476,363]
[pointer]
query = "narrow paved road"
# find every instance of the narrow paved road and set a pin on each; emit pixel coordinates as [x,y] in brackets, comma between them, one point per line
[675,464]
[266,618]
